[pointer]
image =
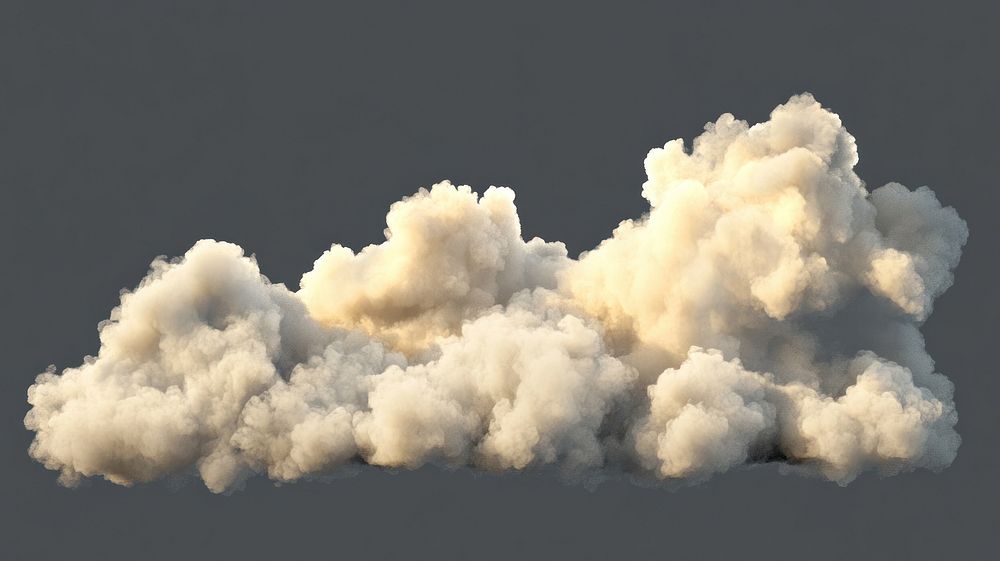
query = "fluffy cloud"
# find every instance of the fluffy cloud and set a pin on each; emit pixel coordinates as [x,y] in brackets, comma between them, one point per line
[765,309]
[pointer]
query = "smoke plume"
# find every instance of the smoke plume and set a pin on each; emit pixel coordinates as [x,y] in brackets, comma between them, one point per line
[765,309]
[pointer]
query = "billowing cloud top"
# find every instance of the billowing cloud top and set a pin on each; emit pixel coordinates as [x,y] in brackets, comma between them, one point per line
[765,309]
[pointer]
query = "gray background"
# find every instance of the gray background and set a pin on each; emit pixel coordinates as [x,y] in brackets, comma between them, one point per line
[129,130]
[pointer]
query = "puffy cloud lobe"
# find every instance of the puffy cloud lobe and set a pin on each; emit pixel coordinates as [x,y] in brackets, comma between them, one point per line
[706,416]
[923,244]
[305,424]
[763,223]
[712,414]
[765,309]
[179,359]
[882,420]
[448,255]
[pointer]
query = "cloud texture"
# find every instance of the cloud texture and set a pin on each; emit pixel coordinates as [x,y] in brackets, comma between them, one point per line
[765,309]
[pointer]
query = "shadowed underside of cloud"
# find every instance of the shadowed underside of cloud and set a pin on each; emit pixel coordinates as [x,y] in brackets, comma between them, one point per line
[766,307]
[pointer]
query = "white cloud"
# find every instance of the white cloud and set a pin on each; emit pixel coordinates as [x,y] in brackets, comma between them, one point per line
[766,307]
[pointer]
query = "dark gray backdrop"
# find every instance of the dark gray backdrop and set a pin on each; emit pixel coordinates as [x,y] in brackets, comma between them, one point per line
[129,130]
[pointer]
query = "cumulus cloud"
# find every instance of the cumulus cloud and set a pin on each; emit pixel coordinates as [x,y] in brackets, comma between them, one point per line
[765,309]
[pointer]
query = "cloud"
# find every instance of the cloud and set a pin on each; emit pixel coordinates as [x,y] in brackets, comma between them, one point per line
[767,308]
